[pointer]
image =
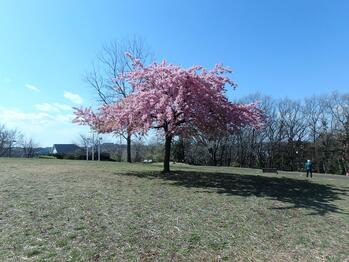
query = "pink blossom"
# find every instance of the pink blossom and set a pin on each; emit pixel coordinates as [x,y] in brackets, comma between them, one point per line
[175,101]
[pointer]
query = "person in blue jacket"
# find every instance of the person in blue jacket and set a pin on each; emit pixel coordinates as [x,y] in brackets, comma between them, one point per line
[309,168]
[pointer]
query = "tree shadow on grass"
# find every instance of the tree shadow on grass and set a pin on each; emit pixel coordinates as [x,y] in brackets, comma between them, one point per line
[317,198]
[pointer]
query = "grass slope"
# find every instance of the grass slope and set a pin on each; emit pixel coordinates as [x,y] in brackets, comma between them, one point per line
[84,211]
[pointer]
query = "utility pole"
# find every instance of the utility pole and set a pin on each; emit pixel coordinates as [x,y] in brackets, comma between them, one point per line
[87,144]
[99,148]
[93,147]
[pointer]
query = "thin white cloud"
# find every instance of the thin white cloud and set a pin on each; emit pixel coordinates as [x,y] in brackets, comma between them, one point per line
[32,88]
[46,107]
[62,106]
[74,98]
[47,128]
[13,115]
[67,118]
[55,107]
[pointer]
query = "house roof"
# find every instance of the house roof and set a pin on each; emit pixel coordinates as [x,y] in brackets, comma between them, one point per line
[66,148]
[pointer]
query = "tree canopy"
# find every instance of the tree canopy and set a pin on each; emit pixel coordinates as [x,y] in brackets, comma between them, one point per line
[174,101]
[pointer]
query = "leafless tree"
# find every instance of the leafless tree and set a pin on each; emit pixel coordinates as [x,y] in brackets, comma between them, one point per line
[89,142]
[337,106]
[84,140]
[292,118]
[8,138]
[3,139]
[28,147]
[110,64]
[314,113]
[214,144]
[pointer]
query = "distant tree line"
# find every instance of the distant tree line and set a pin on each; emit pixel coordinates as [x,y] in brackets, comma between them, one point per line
[315,128]
[120,152]
[14,143]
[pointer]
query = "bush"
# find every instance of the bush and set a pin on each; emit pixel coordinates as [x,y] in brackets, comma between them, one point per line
[156,157]
[82,156]
[47,157]
[105,157]
[58,156]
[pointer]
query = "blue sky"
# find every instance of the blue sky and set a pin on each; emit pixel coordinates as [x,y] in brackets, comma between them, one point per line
[280,48]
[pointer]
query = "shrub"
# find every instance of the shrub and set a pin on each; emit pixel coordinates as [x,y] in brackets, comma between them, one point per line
[82,156]
[47,157]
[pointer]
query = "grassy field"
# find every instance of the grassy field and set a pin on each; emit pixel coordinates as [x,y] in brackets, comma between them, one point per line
[57,210]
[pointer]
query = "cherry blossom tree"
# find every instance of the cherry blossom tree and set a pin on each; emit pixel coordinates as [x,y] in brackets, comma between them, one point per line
[174,101]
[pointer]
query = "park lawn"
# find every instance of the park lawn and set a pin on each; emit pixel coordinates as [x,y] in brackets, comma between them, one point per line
[61,210]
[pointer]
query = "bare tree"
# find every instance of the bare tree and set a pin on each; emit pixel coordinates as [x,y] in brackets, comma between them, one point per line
[314,112]
[214,144]
[316,128]
[337,106]
[111,63]
[90,143]
[8,138]
[84,140]
[3,139]
[257,152]
[28,147]
[292,116]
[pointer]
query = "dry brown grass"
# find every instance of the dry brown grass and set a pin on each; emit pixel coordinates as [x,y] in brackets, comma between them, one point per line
[78,211]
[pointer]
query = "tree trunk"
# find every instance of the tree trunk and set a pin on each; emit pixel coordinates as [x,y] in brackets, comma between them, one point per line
[168,141]
[128,139]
